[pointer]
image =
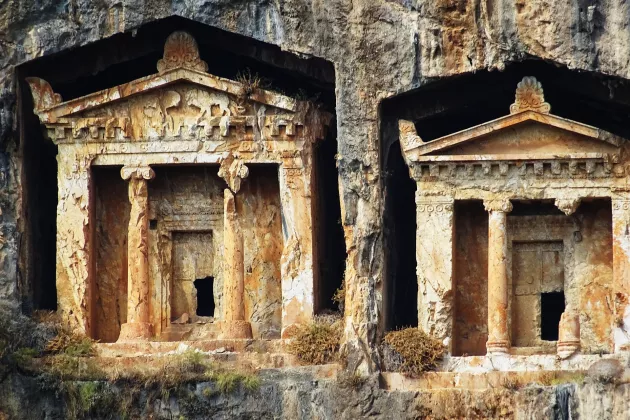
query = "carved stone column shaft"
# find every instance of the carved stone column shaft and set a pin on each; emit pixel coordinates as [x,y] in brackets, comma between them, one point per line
[234,323]
[138,325]
[498,337]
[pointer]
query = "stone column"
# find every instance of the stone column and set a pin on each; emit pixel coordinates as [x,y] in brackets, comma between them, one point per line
[138,325]
[498,337]
[434,258]
[234,323]
[621,269]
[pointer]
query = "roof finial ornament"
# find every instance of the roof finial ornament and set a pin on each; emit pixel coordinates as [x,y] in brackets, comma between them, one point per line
[530,97]
[181,50]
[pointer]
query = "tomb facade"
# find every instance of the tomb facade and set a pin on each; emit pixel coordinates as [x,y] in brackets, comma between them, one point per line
[523,243]
[184,205]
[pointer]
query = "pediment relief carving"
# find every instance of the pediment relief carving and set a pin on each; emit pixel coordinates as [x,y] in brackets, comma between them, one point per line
[180,102]
[528,133]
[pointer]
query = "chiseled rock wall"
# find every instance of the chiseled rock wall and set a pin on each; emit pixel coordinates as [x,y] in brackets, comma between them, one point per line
[380,48]
[300,395]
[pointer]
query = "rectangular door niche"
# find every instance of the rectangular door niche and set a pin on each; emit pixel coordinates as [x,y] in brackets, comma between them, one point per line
[193,259]
[538,267]
[185,239]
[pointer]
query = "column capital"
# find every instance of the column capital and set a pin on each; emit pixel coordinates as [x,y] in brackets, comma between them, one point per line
[568,206]
[233,171]
[502,205]
[137,172]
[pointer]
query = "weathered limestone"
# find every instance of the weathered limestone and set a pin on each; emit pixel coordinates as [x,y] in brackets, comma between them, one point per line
[569,333]
[574,260]
[498,337]
[74,238]
[177,117]
[234,323]
[138,325]
[621,269]
[434,254]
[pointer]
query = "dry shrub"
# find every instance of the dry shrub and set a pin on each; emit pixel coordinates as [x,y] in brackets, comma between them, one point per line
[71,344]
[317,343]
[250,83]
[419,352]
[511,383]
[339,297]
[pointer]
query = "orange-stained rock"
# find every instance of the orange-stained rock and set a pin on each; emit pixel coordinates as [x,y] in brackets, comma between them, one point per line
[569,334]
[138,325]
[178,232]
[567,238]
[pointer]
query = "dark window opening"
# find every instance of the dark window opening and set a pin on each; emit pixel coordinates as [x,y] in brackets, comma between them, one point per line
[551,308]
[205,296]
[153,224]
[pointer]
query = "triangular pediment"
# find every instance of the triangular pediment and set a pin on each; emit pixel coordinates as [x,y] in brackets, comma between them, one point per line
[50,107]
[530,132]
[181,101]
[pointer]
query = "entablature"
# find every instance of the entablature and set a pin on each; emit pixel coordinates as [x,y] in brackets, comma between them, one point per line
[528,143]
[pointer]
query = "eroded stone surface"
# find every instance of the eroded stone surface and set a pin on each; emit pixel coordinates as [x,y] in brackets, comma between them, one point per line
[379,48]
[185,116]
[540,257]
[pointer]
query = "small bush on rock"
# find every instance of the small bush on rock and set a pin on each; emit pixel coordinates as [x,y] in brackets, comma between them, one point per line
[417,351]
[317,343]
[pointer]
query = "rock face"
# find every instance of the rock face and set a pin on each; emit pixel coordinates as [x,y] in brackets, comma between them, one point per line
[380,49]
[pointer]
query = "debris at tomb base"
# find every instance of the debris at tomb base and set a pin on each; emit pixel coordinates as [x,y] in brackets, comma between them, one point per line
[411,351]
[317,343]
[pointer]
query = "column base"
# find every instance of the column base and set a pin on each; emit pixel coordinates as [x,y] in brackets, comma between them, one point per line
[135,331]
[567,348]
[236,329]
[498,347]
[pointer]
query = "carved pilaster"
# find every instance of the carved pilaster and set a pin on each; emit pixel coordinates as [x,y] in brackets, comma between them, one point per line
[621,269]
[74,238]
[498,338]
[434,257]
[138,325]
[298,274]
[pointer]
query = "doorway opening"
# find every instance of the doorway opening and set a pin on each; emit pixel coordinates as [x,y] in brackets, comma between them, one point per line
[400,293]
[205,296]
[551,309]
